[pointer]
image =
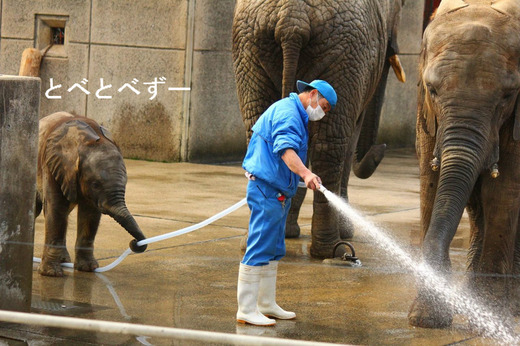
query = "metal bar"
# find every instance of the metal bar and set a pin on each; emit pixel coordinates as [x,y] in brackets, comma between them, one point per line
[144,330]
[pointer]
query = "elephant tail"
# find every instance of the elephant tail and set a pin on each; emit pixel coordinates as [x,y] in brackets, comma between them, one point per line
[291,55]
[368,154]
[292,38]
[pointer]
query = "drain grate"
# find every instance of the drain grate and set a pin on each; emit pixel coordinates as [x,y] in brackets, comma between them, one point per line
[62,307]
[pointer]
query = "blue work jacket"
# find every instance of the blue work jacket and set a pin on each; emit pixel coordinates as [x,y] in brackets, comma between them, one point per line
[280,127]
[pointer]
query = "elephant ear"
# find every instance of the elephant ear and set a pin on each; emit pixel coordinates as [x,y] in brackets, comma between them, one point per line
[106,133]
[62,154]
[511,8]
[425,114]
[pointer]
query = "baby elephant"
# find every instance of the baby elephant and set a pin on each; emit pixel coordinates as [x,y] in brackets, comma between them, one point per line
[79,164]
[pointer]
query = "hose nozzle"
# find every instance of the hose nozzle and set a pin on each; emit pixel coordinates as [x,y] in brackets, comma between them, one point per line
[322,188]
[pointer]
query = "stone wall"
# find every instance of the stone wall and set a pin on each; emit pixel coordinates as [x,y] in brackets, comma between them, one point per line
[173,43]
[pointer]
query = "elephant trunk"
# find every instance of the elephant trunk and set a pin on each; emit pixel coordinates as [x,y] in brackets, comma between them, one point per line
[368,155]
[461,164]
[122,215]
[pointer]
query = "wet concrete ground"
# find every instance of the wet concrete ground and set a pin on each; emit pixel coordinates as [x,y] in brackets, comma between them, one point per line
[190,281]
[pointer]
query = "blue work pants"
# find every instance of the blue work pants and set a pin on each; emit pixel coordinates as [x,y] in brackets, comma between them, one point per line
[266,239]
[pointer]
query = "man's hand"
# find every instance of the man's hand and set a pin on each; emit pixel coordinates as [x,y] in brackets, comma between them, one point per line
[295,164]
[312,181]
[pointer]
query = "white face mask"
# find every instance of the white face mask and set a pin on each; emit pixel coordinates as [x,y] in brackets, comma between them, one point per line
[317,113]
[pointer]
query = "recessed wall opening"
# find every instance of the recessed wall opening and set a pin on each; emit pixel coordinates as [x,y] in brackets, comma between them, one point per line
[51,35]
[58,35]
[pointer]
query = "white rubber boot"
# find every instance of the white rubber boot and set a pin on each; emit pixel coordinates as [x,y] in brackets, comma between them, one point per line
[267,294]
[247,296]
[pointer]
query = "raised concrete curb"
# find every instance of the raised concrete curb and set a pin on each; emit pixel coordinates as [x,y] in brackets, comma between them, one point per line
[19,109]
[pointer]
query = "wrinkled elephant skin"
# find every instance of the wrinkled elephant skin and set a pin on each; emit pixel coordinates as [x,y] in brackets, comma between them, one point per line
[351,45]
[78,165]
[468,130]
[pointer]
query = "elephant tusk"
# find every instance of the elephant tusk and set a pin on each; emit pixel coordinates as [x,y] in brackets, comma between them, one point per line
[494,171]
[435,164]
[398,68]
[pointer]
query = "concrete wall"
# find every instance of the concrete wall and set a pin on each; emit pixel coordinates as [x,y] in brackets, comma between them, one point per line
[188,42]
[216,127]
[397,128]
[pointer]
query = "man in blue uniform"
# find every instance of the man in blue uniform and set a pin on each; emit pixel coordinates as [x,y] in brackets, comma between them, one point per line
[274,163]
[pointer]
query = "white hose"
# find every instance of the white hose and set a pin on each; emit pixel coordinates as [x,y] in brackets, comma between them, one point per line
[162,237]
[194,227]
[115,263]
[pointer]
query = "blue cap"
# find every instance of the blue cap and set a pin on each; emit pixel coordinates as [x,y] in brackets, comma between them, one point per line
[325,89]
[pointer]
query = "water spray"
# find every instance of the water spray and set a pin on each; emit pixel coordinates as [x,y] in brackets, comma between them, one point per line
[346,257]
[483,319]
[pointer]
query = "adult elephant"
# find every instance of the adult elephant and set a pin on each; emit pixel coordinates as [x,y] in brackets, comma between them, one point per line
[350,44]
[79,164]
[468,124]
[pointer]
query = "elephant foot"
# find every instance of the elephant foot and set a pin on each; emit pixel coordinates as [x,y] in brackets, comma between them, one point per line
[515,302]
[499,292]
[47,268]
[292,230]
[427,313]
[65,257]
[515,297]
[86,264]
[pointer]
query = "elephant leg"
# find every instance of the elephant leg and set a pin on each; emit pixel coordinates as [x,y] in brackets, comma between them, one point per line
[516,273]
[243,243]
[88,223]
[427,311]
[500,208]
[476,221]
[345,226]
[56,210]
[38,205]
[65,257]
[292,229]
[325,232]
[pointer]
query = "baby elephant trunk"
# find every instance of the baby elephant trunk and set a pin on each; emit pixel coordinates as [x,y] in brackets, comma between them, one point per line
[122,215]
